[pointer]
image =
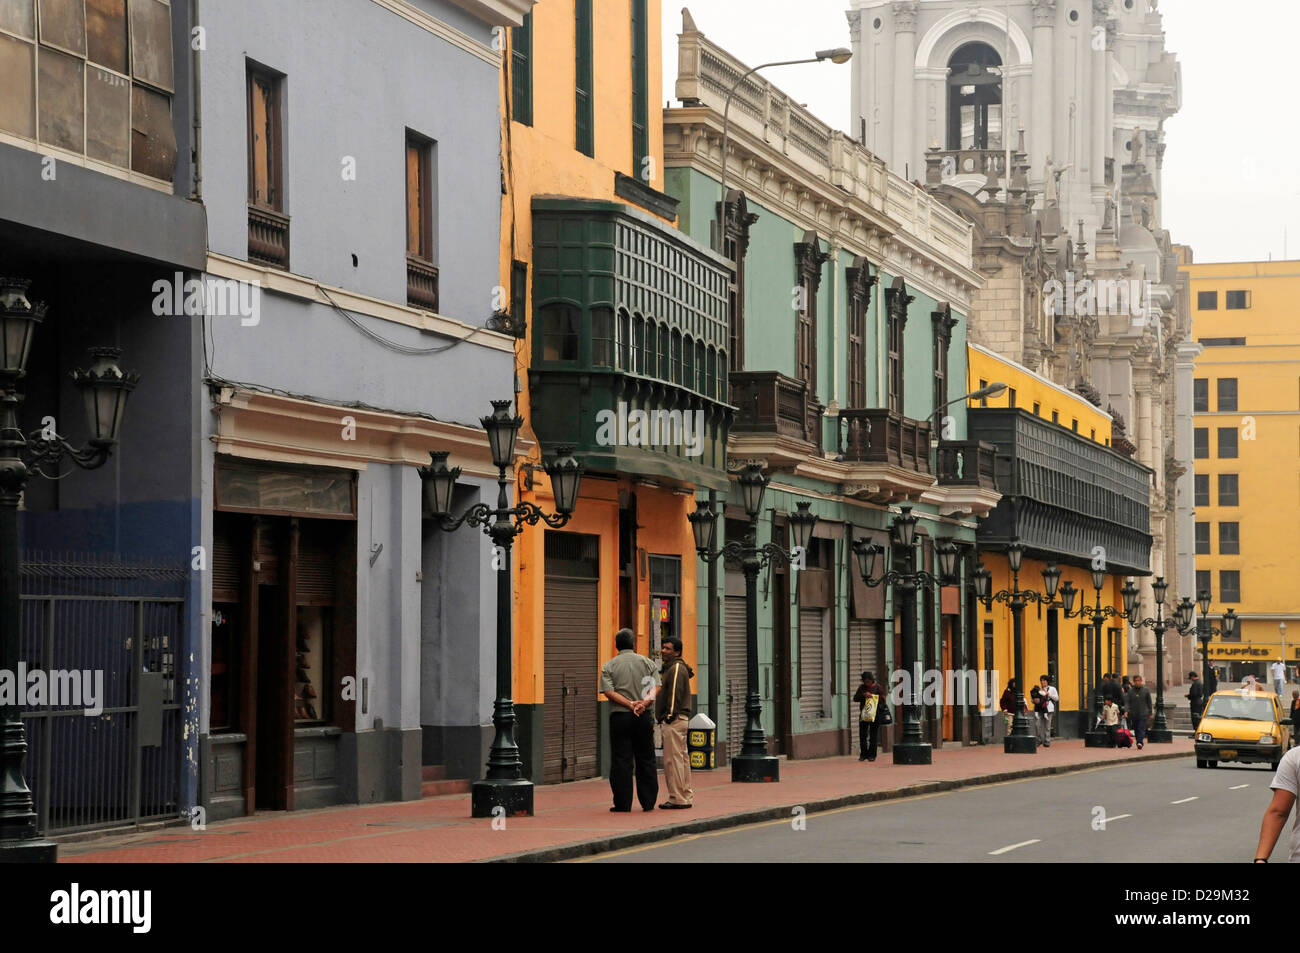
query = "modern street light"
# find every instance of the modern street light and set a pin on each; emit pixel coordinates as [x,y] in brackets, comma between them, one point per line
[912,749]
[1095,736]
[1159,732]
[753,763]
[505,786]
[1205,631]
[1021,740]
[104,388]
[838,56]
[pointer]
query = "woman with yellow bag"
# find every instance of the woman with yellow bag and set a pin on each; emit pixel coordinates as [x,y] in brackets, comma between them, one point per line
[872,712]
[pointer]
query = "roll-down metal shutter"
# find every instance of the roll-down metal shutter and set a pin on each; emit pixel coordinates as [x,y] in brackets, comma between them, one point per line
[812,646]
[736,672]
[572,676]
[864,656]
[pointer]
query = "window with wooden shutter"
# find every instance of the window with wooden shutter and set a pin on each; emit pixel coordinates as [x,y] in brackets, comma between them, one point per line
[640,92]
[421,270]
[521,72]
[268,226]
[583,79]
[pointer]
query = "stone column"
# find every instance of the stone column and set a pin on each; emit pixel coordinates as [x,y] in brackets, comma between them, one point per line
[1044,83]
[904,152]
[1100,93]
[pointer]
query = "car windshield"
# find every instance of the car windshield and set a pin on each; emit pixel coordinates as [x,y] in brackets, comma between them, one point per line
[1234,706]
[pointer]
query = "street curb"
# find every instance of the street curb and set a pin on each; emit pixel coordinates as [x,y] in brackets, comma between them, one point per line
[603,845]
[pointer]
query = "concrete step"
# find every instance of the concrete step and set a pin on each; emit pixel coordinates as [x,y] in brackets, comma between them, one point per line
[439,788]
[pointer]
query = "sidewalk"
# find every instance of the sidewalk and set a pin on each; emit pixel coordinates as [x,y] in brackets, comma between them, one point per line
[574,820]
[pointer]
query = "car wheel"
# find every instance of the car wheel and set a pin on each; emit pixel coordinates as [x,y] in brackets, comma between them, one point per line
[1202,763]
[1212,764]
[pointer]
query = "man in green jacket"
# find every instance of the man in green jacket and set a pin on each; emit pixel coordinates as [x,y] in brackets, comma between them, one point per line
[673,712]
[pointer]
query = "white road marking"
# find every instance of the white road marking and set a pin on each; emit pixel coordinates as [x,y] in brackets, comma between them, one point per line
[1238,787]
[1023,843]
[1116,817]
[1185,800]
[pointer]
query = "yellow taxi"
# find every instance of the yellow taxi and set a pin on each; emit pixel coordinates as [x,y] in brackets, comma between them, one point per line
[1242,724]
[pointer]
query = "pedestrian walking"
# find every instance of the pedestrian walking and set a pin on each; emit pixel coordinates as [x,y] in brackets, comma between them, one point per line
[870,697]
[673,711]
[1278,671]
[1286,786]
[1125,686]
[1139,705]
[1008,705]
[1195,698]
[1110,721]
[630,682]
[1045,699]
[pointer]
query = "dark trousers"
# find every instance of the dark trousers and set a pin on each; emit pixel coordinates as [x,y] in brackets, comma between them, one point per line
[632,747]
[1112,732]
[1140,730]
[867,740]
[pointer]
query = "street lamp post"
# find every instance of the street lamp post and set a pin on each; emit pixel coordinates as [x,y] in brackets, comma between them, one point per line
[105,389]
[1021,740]
[753,763]
[838,56]
[1159,732]
[912,749]
[1094,736]
[504,786]
[1205,631]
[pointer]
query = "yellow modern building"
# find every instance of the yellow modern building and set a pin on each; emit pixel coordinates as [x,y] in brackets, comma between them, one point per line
[1246,405]
[1062,648]
[622,324]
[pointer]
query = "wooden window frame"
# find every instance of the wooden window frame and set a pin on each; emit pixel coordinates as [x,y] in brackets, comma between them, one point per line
[1223,495]
[735,237]
[421,264]
[521,72]
[1200,395]
[641,89]
[1222,398]
[268,223]
[896,301]
[942,323]
[860,281]
[584,136]
[810,261]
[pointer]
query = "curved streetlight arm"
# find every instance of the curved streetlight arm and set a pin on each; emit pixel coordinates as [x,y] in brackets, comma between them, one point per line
[737,551]
[524,513]
[726,134]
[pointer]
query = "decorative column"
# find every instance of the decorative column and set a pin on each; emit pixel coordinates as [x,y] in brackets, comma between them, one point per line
[1100,93]
[904,153]
[1044,82]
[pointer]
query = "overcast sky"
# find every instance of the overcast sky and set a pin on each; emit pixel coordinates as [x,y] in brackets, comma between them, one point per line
[1227,190]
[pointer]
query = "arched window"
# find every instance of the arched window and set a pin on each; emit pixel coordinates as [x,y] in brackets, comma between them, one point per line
[711,377]
[665,354]
[975,98]
[602,336]
[688,355]
[624,340]
[646,365]
[724,377]
[700,383]
[560,326]
[677,356]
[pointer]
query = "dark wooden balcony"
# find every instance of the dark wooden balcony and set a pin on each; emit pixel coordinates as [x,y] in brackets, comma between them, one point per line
[878,435]
[768,402]
[421,284]
[968,463]
[268,237]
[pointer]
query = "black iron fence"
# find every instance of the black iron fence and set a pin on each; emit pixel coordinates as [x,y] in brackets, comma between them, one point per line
[115,630]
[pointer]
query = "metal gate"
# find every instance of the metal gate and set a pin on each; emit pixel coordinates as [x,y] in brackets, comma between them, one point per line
[736,664]
[812,671]
[865,636]
[124,624]
[569,726]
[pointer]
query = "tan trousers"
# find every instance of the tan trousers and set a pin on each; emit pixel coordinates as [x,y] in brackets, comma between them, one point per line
[677,763]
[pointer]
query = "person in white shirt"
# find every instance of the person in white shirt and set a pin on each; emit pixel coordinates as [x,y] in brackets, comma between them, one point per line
[1286,786]
[1045,700]
[1278,671]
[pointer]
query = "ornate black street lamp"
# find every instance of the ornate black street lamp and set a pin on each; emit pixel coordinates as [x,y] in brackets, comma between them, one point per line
[753,763]
[104,389]
[1022,739]
[1159,732]
[1095,736]
[1205,631]
[913,748]
[505,786]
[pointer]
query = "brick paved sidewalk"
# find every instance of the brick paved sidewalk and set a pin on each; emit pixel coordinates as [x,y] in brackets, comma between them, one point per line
[574,819]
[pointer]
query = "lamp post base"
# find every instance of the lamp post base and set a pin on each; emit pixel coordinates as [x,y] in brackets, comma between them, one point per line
[913,752]
[1019,744]
[1160,736]
[755,768]
[501,798]
[28,852]
[1097,739]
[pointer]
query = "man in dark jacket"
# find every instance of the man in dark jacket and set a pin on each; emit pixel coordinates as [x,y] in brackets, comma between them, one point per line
[1110,689]
[1195,698]
[673,712]
[1139,705]
[867,730]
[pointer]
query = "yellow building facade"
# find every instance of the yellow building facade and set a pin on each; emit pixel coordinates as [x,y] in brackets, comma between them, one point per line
[1061,648]
[1246,405]
[586,229]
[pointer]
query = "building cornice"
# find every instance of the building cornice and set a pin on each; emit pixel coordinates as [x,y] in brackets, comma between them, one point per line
[498,12]
[308,289]
[413,14]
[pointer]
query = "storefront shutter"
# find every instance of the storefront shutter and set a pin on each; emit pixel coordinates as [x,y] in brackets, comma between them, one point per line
[812,643]
[736,672]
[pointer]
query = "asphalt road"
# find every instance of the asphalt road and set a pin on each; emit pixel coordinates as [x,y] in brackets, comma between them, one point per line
[1162,811]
